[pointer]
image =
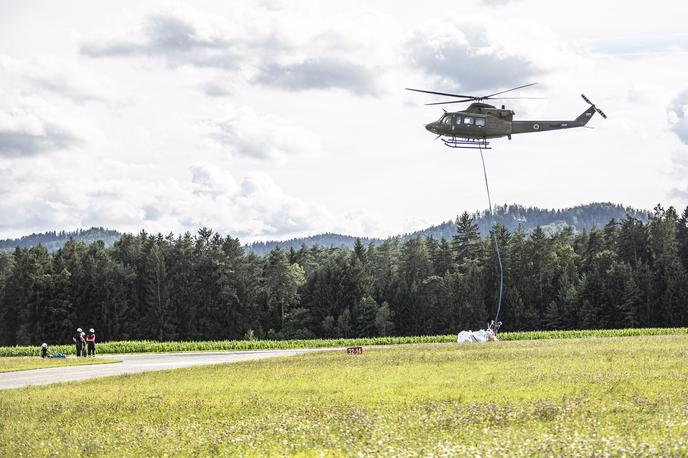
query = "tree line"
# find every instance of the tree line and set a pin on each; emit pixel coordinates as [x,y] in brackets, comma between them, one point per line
[629,273]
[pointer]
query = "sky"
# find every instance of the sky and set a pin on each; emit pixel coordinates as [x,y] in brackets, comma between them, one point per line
[273,119]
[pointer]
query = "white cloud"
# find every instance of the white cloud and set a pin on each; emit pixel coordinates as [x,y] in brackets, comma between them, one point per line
[292,55]
[324,73]
[245,133]
[252,208]
[465,57]
[678,116]
[50,75]
[180,37]
[679,162]
[30,128]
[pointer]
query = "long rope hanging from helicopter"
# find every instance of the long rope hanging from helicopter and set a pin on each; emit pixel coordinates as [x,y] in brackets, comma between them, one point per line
[473,127]
[495,322]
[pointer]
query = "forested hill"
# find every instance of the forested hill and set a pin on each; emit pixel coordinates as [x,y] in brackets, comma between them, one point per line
[580,218]
[53,240]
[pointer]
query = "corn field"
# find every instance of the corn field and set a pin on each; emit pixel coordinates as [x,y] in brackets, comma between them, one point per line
[150,346]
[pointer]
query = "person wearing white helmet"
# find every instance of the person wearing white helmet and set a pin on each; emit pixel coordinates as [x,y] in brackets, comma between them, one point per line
[77,338]
[83,344]
[45,351]
[91,341]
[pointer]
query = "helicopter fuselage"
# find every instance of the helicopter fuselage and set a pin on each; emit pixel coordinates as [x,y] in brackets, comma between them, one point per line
[481,121]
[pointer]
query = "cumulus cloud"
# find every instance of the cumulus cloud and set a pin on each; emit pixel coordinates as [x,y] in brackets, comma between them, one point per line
[678,116]
[259,47]
[497,2]
[179,40]
[462,56]
[216,89]
[679,162]
[25,133]
[251,208]
[48,75]
[209,180]
[319,73]
[245,133]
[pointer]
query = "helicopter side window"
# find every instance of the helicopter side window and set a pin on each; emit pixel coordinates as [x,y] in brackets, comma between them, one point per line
[468,120]
[480,122]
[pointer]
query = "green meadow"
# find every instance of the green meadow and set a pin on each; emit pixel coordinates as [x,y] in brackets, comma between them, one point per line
[625,396]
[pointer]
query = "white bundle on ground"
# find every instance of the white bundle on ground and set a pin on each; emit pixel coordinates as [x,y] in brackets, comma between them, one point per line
[476,336]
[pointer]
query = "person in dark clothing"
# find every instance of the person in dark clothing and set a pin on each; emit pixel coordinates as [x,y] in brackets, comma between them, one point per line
[45,351]
[91,342]
[77,341]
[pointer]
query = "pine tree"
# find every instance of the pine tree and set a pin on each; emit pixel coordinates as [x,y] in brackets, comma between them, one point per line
[280,285]
[8,298]
[442,262]
[682,238]
[359,251]
[384,320]
[466,240]
[157,293]
[669,274]
[363,317]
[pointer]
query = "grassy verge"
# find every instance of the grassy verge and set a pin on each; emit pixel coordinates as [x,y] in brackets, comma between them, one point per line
[148,346]
[593,397]
[35,362]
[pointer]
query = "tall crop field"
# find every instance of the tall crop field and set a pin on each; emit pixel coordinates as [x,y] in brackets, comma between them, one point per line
[150,346]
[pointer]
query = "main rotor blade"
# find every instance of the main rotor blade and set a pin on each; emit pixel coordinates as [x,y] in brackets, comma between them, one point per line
[453,101]
[509,90]
[478,99]
[440,93]
[516,98]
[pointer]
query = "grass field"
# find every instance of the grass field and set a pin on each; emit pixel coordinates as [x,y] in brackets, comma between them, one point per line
[147,346]
[588,397]
[35,362]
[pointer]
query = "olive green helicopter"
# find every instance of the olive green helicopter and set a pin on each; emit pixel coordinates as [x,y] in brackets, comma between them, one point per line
[472,127]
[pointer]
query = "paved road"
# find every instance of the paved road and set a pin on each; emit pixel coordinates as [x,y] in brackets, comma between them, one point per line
[134,363]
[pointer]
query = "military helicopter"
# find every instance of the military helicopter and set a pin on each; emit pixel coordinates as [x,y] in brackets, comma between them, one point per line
[472,127]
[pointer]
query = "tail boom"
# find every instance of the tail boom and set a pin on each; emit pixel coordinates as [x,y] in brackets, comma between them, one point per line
[524,127]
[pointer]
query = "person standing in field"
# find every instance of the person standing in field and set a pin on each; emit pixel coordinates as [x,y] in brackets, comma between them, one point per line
[91,342]
[77,341]
[45,351]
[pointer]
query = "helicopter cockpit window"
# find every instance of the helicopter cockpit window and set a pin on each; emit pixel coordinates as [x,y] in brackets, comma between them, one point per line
[480,122]
[468,120]
[446,119]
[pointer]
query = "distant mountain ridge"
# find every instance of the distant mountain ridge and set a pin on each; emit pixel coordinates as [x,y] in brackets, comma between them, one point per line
[580,218]
[53,240]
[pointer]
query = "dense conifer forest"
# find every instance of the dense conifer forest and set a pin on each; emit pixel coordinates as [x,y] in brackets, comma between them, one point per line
[629,273]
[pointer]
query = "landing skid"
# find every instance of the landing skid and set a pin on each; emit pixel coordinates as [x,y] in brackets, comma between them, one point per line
[466,143]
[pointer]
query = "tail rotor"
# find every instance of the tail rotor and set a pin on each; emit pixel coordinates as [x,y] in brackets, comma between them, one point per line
[587,100]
